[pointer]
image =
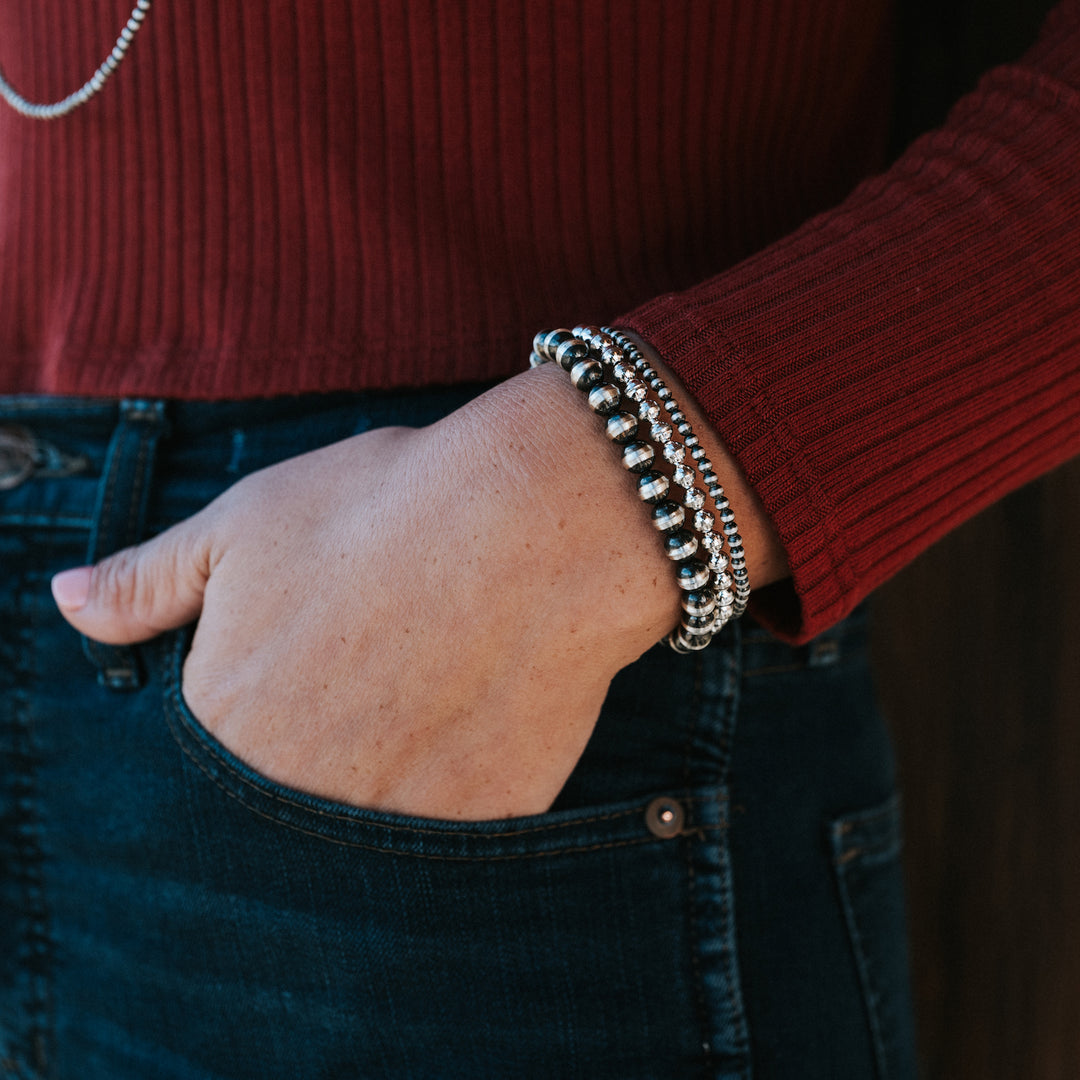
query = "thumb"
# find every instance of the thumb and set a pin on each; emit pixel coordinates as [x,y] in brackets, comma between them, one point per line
[140,591]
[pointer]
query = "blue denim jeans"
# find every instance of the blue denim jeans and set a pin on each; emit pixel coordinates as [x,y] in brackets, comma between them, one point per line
[716,893]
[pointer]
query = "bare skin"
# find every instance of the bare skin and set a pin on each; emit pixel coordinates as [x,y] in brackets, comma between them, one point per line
[422,621]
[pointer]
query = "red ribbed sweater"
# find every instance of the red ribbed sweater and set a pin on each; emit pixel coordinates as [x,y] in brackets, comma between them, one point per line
[281,198]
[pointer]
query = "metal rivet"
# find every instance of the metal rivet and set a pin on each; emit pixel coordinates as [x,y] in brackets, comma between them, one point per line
[17,456]
[665,817]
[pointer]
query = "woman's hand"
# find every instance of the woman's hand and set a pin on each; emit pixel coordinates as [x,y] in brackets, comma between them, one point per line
[420,621]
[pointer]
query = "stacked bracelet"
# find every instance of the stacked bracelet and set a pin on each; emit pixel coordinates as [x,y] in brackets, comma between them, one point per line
[628,392]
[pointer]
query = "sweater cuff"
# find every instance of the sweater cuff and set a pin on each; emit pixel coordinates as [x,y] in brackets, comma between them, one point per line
[905,360]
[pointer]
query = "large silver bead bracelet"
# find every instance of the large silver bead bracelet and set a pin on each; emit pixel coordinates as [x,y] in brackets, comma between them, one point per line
[626,392]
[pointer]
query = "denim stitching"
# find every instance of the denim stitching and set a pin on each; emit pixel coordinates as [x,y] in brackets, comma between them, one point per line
[691,905]
[843,858]
[99,655]
[734,996]
[355,844]
[175,712]
[695,964]
[862,963]
[30,856]
[888,844]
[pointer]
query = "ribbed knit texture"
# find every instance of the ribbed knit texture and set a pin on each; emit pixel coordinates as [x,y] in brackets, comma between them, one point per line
[281,198]
[899,363]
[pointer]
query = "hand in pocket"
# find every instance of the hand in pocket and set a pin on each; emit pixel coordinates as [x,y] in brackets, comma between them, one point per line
[420,621]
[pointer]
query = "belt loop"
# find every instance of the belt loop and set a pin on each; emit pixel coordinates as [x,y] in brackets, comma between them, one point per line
[120,519]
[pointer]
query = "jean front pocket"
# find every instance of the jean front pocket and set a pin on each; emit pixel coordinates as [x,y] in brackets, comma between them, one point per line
[866,850]
[561,944]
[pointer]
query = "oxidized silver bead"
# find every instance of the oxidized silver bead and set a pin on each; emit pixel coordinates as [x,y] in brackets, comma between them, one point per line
[668,515]
[699,602]
[635,391]
[664,394]
[699,624]
[673,452]
[621,427]
[680,544]
[638,456]
[652,487]
[715,544]
[570,352]
[648,411]
[604,399]
[622,372]
[547,342]
[690,643]
[723,581]
[661,432]
[535,359]
[683,476]
[612,354]
[703,521]
[695,498]
[586,374]
[692,574]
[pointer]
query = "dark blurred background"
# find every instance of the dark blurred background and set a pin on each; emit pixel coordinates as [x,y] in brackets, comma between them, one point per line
[977,646]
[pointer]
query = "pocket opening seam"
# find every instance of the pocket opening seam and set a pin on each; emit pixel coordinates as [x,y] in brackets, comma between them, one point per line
[175,713]
[428,856]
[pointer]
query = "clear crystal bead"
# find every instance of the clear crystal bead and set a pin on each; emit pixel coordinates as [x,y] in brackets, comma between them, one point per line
[661,432]
[695,498]
[683,476]
[703,521]
[673,452]
[648,410]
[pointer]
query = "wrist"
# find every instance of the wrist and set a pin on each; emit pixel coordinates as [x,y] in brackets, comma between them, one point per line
[574,521]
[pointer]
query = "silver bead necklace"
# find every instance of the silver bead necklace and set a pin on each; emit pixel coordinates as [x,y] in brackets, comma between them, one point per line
[56,109]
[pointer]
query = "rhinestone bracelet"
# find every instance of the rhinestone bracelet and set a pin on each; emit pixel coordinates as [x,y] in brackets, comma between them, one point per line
[609,367]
